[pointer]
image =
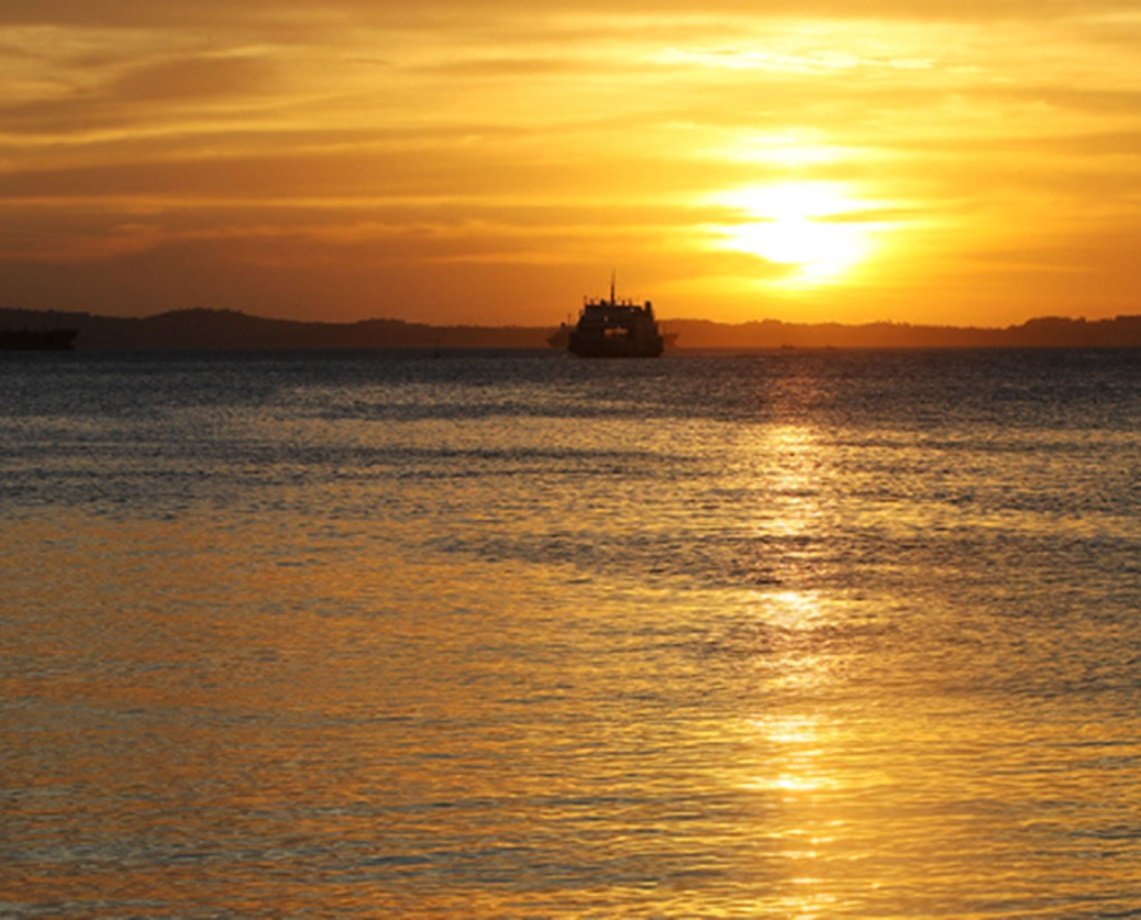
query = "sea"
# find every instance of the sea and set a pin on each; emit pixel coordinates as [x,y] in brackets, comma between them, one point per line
[789,634]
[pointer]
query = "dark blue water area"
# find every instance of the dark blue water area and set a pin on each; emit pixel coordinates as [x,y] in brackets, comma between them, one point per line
[979,432]
[1016,387]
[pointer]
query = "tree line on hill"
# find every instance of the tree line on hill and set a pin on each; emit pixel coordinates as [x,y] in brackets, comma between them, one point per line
[207,329]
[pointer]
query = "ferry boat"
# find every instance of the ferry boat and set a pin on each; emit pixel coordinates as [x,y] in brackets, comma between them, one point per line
[615,329]
[37,339]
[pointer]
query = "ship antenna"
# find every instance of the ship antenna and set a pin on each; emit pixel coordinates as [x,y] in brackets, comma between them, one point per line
[612,300]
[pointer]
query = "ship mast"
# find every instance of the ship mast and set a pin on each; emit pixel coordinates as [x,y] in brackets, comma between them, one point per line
[613,301]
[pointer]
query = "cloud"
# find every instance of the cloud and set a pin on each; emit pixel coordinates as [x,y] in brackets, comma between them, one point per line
[292,15]
[194,78]
[496,66]
[130,96]
[326,137]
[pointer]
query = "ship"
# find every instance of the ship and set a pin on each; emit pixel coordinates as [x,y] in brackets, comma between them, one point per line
[559,339]
[37,339]
[612,328]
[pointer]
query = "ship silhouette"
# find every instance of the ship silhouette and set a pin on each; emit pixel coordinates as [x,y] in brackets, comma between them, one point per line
[613,328]
[37,339]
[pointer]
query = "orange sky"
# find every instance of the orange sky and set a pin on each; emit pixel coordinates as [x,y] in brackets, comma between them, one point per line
[492,160]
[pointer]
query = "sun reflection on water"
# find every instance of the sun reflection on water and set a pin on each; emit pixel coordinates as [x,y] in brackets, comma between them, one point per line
[786,464]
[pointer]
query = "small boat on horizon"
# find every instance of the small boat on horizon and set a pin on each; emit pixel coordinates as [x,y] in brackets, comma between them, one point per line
[37,339]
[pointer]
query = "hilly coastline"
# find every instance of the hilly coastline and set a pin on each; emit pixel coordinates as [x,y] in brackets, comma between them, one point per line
[208,329]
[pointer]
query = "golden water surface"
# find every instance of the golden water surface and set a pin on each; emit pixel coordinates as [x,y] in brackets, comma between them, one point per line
[508,640]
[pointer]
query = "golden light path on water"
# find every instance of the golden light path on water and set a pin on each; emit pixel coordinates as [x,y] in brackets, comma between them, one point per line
[793,749]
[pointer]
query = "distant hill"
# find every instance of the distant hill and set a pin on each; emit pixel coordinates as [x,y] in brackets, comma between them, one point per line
[203,329]
[1046,332]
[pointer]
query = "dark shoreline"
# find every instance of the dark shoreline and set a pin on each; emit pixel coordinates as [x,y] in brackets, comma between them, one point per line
[201,329]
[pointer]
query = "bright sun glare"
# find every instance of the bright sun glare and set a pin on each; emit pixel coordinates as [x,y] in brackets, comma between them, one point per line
[798,224]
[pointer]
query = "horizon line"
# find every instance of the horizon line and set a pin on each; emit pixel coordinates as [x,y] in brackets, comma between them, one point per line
[663,320]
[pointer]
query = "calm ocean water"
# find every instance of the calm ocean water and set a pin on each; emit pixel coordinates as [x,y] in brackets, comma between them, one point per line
[514,635]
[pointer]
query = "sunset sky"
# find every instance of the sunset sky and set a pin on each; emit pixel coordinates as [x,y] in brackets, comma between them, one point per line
[491,161]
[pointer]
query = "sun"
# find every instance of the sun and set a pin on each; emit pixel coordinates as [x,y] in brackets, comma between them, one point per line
[806,226]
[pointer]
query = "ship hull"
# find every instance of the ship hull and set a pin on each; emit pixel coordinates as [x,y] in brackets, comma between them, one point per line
[559,340]
[613,347]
